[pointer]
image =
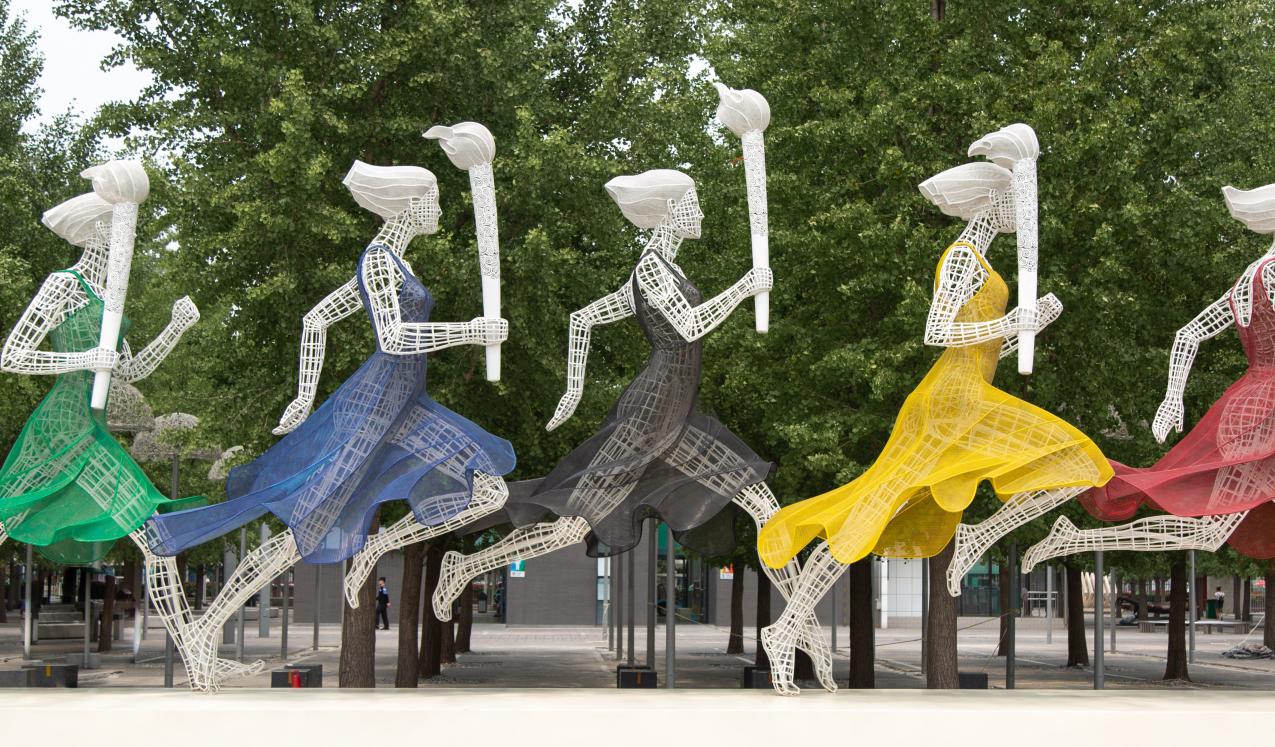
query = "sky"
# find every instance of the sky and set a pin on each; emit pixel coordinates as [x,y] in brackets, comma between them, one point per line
[73,78]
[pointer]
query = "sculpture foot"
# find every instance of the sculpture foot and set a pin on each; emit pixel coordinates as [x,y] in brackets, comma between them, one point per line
[782,660]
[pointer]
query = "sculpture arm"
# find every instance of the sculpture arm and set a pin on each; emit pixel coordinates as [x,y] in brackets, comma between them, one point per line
[381,278]
[660,289]
[958,279]
[21,352]
[336,306]
[1215,318]
[605,310]
[143,364]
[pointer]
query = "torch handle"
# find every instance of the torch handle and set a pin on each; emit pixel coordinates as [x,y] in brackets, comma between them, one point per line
[1026,231]
[482,184]
[755,176]
[118,264]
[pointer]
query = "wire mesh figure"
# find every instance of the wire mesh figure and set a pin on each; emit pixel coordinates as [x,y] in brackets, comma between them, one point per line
[656,454]
[68,487]
[379,437]
[1223,471]
[954,431]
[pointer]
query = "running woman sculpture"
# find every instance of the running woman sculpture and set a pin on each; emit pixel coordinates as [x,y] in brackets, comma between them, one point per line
[378,438]
[1217,483]
[955,429]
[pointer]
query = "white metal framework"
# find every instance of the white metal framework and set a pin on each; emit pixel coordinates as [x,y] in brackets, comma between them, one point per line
[747,114]
[1152,534]
[407,197]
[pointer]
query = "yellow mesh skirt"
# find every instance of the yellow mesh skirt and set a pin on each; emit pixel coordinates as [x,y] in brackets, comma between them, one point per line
[955,431]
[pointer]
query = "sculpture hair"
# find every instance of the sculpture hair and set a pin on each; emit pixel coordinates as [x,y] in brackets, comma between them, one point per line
[644,198]
[969,189]
[76,219]
[387,190]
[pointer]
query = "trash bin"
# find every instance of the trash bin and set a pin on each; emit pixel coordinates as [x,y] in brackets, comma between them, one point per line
[1210,609]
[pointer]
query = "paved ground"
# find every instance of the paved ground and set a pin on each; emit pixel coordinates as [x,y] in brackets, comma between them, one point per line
[577,657]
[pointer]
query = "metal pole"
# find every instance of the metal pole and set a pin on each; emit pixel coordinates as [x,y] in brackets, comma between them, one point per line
[138,612]
[1190,589]
[1049,604]
[243,552]
[608,612]
[670,612]
[631,602]
[652,551]
[228,563]
[619,608]
[263,597]
[1011,662]
[1115,607]
[28,619]
[925,608]
[283,615]
[1099,614]
[88,609]
[168,658]
[317,569]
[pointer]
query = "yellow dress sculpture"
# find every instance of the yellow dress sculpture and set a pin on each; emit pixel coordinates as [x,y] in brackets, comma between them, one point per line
[954,431]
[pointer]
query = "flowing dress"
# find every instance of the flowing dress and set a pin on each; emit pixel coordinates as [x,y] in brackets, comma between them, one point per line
[68,487]
[378,438]
[656,454]
[954,431]
[1226,463]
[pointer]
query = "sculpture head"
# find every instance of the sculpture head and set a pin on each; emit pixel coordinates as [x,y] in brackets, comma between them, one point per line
[654,197]
[78,219]
[1254,208]
[404,193]
[973,190]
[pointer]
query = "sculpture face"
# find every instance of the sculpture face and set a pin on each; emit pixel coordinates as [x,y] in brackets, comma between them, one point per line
[423,212]
[687,215]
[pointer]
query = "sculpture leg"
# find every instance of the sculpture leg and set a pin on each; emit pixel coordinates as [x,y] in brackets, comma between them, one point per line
[254,571]
[1152,534]
[781,638]
[458,570]
[973,541]
[761,504]
[489,495]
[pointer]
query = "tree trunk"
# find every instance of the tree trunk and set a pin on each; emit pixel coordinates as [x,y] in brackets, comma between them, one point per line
[201,577]
[465,621]
[1175,666]
[1246,604]
[941,668]
[763,618]
[862,630]
[447,651]
[1159,590]
[1077,646]
[735,643]
[1235,598]
[358,632]
[938,10]
[1268,632]
[105,628]
[1142,599]
[408,669]
[1002,642]
[432,632]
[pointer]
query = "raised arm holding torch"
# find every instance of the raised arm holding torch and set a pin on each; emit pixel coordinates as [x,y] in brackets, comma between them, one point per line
[747,113]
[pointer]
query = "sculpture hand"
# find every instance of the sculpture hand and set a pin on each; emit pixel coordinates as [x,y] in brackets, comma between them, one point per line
[489,331]
[294,415]
[1168,416]
[1048,308]
[759,280]
[566,408]
[101,359]
[185,313]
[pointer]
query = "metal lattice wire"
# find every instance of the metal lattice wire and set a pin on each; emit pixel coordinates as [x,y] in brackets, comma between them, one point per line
[956,429]
[1218,482]
[379,437]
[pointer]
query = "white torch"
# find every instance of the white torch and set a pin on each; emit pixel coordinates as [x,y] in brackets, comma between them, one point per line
[746,113]
[125,185]
[471,147]
[1015,147]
